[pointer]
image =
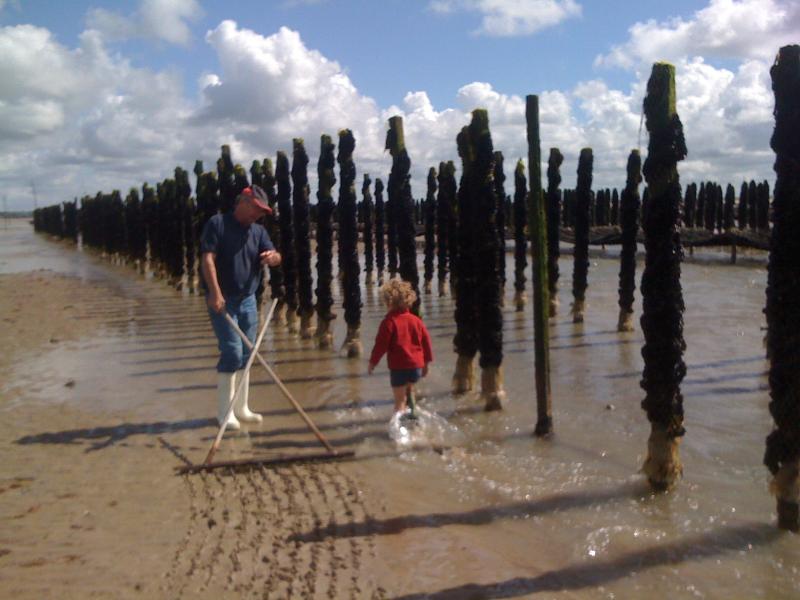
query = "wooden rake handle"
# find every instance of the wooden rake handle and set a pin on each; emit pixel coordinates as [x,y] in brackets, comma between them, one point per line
[240,385]
[323,440]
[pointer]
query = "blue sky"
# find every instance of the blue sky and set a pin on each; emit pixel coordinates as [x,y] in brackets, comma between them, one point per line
[226,72]
[388,47]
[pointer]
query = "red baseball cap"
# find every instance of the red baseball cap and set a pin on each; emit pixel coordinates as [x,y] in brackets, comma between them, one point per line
[259,198]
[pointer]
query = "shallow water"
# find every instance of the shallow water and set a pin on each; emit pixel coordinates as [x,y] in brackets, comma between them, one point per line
[478,507]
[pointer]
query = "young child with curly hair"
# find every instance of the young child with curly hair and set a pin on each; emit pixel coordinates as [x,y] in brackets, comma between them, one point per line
[404,339]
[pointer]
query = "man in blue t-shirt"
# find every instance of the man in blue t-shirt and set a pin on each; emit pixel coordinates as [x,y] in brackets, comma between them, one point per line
[234,247]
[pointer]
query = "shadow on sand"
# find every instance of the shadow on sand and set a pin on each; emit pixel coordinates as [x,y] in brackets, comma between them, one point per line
[723,540]
[103,437]
[480,516]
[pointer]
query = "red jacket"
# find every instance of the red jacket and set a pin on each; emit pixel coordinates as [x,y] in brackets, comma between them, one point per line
[406,340]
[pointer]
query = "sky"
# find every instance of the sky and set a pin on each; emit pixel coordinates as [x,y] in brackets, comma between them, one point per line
[100,95]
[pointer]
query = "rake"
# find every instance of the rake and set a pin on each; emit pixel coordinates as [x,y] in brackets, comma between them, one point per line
[208,464]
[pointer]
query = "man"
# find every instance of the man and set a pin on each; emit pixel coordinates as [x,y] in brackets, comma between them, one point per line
[233,248]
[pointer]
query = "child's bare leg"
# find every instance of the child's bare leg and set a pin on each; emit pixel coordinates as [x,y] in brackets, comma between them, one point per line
[399,398]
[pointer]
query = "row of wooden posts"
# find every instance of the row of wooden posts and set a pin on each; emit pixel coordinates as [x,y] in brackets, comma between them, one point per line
[469,221]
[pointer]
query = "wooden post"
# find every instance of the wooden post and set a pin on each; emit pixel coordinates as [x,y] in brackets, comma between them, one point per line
[662,297]
[782,457]
[537,219]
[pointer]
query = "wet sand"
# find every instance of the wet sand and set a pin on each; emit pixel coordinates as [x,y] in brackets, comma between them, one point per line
[110,386]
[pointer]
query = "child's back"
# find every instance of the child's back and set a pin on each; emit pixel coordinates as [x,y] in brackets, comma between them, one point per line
[405,340]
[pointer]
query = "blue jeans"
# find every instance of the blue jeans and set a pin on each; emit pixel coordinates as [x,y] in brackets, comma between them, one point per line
[233,354]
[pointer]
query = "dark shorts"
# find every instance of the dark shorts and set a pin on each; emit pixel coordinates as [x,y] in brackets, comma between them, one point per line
[400,377]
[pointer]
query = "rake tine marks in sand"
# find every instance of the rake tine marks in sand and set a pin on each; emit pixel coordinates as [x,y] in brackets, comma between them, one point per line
[220,510]
[243,542]
[273,484]
[178,571]
[261,524]
[334,559]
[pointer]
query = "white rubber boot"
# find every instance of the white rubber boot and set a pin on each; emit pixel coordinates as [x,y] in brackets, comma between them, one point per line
[225,390]
[241,410]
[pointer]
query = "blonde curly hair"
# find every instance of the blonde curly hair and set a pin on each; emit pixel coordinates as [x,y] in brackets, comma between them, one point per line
[397,293]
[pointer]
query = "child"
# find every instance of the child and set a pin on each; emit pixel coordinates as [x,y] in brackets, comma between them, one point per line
[403,337]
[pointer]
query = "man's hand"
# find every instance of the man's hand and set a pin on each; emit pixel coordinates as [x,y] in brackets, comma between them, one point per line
[425,371]
[216,302]
[370,369]
[270,258]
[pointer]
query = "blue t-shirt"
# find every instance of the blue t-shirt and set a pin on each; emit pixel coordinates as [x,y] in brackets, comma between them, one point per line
[236,248]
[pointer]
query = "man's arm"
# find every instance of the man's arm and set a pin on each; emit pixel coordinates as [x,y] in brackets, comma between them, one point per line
[215,299]
[267,253]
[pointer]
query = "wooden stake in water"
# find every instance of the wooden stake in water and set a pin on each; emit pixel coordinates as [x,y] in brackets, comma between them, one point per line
[629,219]
[662,297]
[537,220]
[782,457]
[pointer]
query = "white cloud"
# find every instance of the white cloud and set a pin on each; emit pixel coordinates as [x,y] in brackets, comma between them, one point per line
[273,88]
[737,29]
[512,17]
[165,20]
[78,120]
[82,119]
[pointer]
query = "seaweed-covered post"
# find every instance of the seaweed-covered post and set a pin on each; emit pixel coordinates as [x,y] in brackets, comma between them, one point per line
[380,222]
[629,218]
[520,239]
[553,221]
[391,231]
[689,201]
[287,247]
[134,221]
[583,199]
[729,210]
[452,224]
[150,217]
[367,233]
[741,208]
[300,194]
[443,207]
[325,207]
[430,229]
[782,456]
[225,175]
[487,258]
[348,232]
[752,205]
[729,218]
[763,207]
[500,192]
[257,178]
[662,297]
[71,226]
[464,273]
[537,219]
[183,192]
[277,291]
[402,205]
[191,241]
[710,217]
[700,211]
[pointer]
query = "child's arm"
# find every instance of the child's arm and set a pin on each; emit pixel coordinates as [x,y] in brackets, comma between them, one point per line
[381,346]
[427,348]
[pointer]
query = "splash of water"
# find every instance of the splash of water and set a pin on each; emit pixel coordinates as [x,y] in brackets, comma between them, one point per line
[428,429]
